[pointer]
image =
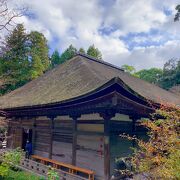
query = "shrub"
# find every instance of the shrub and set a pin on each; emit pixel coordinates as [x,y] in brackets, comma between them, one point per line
[12,157]
[52,174]
[159,158]
[8,160]
[3,170]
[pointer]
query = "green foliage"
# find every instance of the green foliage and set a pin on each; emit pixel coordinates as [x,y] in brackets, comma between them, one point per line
[152,75]
[171,74]
[52,174]
[167,77]
[36,67]
[82,51]
[21,175]
[7,167]
[12,157]
[55,58]
[159,158]
[94,52]
[15,60]
[4,169]
[69,53]
[25,57]
[8,160]
[38,48]
[128,69]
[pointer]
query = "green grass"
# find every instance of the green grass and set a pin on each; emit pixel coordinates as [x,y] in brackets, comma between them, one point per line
[21,175]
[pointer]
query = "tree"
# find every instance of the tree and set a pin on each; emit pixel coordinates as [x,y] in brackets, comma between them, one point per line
[55,58]
[69,53]
[8,14]
[177,15]
[15,58]
[158,158]
[94,52]
[128,69]
[171,74]
[152,75]
[38,54]
[37,67]
[82,51]
[24,58]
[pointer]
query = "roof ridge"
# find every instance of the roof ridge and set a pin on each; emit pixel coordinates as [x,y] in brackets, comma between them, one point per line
[98,61]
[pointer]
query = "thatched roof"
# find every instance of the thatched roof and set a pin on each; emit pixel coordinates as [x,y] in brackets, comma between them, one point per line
[76,77]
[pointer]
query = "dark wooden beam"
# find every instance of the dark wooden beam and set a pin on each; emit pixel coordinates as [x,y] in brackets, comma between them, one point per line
[74,144]
[33,133]
[90,133]
[21,134]
[51,136]
[133,130]
[107,117]
[90,121]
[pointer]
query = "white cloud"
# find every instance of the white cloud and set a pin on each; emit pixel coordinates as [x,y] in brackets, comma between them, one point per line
[134,16]
[148,57]
[79,23]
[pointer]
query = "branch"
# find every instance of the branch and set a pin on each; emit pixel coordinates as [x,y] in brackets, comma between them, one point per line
[8,15]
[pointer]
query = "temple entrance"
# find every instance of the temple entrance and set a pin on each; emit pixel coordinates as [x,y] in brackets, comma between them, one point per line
[26,135]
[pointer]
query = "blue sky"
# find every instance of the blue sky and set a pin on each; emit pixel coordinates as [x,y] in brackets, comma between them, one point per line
[135,32]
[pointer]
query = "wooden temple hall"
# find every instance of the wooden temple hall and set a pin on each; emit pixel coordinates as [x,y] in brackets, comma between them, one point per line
[75,112]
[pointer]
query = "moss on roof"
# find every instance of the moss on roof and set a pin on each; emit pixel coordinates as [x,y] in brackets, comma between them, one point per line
[76,77]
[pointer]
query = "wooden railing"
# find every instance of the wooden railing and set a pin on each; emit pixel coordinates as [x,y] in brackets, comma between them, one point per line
[68,168]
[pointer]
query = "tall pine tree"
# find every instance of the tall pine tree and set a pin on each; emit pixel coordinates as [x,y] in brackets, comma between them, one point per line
[55,58]
[15,58]
[94,52]
[82,51]
[25,57]
[38,54]
[68,54]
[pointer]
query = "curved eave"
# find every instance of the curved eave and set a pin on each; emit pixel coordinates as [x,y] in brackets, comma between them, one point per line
[114,85]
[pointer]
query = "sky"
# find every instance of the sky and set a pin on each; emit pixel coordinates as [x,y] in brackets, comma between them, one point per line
[140,33]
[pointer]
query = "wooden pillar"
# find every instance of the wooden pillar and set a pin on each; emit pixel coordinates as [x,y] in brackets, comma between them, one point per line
[21,132]
[33,134]
[51,136]
[107,117]
[9,129]
[133,130]
[74,142]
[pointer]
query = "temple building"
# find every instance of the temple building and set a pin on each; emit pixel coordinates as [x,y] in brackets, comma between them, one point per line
[75,112]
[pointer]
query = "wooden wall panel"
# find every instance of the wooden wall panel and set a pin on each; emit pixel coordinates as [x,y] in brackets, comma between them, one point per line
[42,136]
[41,153]
[15,134]
[91,127]
[90,154]
[62,140]
[27,123]
[62,131]
[62,152]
